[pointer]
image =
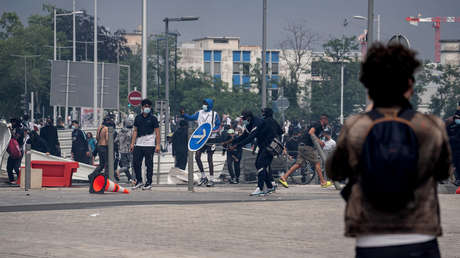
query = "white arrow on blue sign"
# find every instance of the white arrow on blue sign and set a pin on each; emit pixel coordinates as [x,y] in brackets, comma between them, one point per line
[199,137]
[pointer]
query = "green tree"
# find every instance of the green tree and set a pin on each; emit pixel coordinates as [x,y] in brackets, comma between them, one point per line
[444,102]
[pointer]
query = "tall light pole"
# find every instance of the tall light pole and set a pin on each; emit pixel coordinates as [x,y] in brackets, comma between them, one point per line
[264,53]
[166,21]
[55,37]
[370,22]
[95,122]
[341,93]
[144,49]
[25,75]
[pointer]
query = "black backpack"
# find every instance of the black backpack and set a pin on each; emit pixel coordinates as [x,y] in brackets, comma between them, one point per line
[389,161]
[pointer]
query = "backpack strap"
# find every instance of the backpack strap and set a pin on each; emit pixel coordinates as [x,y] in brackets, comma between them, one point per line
[374,114]
[406,114]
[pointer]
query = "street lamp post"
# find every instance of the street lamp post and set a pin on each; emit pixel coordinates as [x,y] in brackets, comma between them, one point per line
[358,17]
[25,75]
[166,21]
[264,53]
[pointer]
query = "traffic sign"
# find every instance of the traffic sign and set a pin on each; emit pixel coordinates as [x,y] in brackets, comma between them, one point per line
[199,137]
[135,98]
[399,39]
[282,103]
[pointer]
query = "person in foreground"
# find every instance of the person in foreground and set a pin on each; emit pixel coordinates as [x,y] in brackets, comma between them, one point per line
[393,158]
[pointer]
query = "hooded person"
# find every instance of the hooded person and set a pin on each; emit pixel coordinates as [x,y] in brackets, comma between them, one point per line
[179,145]
[206,115]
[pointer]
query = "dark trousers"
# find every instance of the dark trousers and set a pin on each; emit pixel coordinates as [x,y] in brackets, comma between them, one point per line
[428,249]
[81,156]
[138,155]
[210,152]
[125,164]
[456,161]
[263,161]
[181,160]
[103,152]
[233,162]
[13,164]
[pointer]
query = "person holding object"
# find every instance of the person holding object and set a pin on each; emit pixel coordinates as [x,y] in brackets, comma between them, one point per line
[145,141]
[393,158]
[206,115]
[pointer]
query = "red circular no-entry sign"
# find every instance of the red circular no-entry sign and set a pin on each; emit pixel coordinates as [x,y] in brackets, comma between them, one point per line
[135,98]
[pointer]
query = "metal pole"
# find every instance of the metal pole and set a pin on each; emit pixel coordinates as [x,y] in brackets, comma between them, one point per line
[66,111]
[102,93]
[175,70]
[341,93]
[25,82]
[167,78]
[264,50]
[190,162]
[129,78]
[74,50]
[32,107]
[159,154]
[28,168]
[110,158]
[54,115]
[144,49]
[158,69]
[370,23]
[54,45]
[378,27]
[95,122]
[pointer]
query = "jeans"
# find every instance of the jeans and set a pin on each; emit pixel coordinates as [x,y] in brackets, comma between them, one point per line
[232,163]
[210,152]
[428,249]
[138,155]
[103,158]
[13,164]
[263,161]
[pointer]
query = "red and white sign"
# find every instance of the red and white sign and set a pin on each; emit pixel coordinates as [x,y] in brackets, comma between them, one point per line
[135,98]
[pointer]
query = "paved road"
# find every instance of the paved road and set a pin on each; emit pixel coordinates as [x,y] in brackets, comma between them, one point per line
[302,221]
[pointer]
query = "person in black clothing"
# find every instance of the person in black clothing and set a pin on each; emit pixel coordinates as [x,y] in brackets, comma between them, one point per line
[38,143]
[145,141]
[453,130]
[265,130]
[80,150]
[233,157]
[49,134]
[179,145]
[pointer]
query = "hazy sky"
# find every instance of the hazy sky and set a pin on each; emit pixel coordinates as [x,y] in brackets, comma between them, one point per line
[243,18]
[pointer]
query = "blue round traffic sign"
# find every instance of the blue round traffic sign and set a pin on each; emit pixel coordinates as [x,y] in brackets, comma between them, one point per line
[199,137]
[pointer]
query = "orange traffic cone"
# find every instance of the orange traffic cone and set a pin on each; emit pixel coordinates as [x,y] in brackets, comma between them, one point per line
[458,190]
[99,181]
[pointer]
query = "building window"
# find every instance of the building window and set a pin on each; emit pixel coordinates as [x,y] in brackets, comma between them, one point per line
[236,56]
[275,81]
[246,68]
[275,68]
[217,56]
[246,56]
[275,57]
[207,56]
[246,81]
[207,67]
[236,80]
[315,68]
[217,68]
[236,68]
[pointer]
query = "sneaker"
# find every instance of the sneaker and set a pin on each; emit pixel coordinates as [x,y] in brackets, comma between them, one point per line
[327,184]
[271,190]
[283,182]
[210,183]
[132,182]
[203,181]
[147,187]
[137,186]
[233,181]
[257,192]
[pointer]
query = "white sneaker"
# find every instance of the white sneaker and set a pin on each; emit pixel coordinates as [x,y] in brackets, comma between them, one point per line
[257,192]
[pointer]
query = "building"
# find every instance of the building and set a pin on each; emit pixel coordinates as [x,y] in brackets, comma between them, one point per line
[450,52]
[226,59]
[134,39]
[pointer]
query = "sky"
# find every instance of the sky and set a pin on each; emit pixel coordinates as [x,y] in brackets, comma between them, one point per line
[243,18]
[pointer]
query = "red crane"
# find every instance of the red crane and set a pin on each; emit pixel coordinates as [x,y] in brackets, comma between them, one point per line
[437,32]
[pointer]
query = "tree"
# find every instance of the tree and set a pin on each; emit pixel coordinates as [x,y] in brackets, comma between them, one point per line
[445,101]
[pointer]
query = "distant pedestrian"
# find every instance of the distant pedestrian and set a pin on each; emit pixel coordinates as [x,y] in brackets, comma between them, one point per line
[123,140]
[50,135]
[179,145]
[37,143]
[15,156]
[102,138]
[393,158]
[233,158]
[92,144]
[453,130]
[145,141]
[80,151]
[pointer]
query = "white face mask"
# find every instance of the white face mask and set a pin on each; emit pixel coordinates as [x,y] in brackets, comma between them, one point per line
[205,107]
[147,110]
[245,122]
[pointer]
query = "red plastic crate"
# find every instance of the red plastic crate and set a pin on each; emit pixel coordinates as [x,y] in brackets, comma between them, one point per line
[55,173]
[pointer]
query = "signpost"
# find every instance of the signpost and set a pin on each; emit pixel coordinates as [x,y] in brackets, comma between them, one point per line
[282,103]
[135,98]
[199,137]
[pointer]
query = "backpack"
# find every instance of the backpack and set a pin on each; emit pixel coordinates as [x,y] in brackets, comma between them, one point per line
[389,161]
[13,149]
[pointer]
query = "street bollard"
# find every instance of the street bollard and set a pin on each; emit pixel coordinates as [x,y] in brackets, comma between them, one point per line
[190,162]
[27,176]
[110,158]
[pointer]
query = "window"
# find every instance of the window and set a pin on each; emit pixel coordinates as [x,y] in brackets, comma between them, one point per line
[275,68]
[246,80]
[246,56]
[315,68]
[217,56]
[236,80]
[220,40]
[275,57]
[246,68]
[207,67]
[236,68]
[236,56]
[275,81]
[267,57]
[216,68]
[207,56]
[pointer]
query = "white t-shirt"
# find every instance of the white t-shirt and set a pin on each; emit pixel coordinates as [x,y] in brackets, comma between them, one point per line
[146,140]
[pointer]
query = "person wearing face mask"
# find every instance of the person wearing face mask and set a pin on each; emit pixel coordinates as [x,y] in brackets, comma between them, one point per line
[453,131]
[206,115]
[145,141]
[265,131]
[49,134]
[80,150]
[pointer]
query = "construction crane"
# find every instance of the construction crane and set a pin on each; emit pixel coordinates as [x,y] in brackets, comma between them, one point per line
[437,32]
